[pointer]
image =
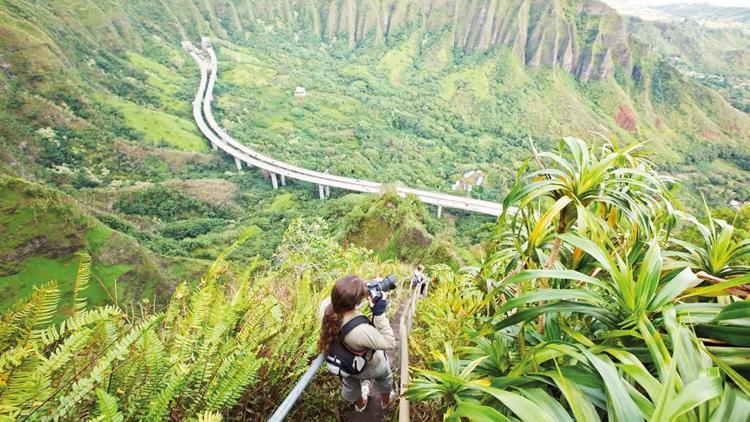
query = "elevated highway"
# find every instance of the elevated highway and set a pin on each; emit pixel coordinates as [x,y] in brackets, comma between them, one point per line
[279,170]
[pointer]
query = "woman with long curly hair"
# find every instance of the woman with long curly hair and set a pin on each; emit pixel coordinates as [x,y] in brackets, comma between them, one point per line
[368,340]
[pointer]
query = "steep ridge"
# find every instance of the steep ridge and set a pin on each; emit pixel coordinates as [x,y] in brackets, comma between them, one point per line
[539,32]
[585,37]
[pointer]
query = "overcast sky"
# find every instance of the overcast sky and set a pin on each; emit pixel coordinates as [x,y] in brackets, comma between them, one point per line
[743,3]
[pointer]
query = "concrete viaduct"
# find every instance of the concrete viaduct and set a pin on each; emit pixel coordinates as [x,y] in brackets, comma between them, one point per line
[281,171]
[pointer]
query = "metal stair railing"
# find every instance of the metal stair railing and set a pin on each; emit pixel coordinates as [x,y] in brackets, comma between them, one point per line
[293,395]
[405,324]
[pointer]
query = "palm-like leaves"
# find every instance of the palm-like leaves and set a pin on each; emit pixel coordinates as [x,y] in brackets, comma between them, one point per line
[588,317]
[581,183]
[719,254]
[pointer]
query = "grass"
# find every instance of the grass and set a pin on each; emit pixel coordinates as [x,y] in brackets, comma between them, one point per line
[474,80]
[28,212]
[249,75]
[398,59]
[164,80]
[40,231]
[158,127]
[39,270]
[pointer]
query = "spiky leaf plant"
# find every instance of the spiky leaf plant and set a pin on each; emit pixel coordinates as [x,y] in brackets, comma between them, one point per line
[587,314]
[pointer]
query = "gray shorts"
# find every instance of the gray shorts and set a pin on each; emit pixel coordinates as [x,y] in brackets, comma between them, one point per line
[382,379]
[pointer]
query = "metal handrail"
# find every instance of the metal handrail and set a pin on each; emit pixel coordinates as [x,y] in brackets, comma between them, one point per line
[293,395]
[405,324]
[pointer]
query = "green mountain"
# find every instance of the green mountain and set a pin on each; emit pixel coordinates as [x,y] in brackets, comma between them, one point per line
[43,229]
[96,103]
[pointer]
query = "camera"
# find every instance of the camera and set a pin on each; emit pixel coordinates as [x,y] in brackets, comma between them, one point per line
[377,288]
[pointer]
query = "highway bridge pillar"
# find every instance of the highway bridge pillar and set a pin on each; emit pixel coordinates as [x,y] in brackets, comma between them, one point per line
[238,163]
[283,180]
[322,191]
[274,182]
[440,212]
[328,191]
[214,146]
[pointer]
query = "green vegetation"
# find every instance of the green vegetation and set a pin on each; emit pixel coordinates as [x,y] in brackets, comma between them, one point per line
[42,229]
[582,307]
[159,128]
[168,205]
[584,311]
[611,293]
[232,344]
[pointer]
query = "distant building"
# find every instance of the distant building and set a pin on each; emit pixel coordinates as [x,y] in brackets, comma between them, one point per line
[735,204]
[468,180]
[300,91]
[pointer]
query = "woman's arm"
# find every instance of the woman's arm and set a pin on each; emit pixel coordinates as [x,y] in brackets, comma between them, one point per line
[377,337]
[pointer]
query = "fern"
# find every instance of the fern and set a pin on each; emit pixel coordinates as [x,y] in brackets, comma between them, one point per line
[117,352]
[107,407]
[20,385]
[236,373]
[37,313]
[177,379]
[54,333]
[207,417]
[214,347]
[82,282]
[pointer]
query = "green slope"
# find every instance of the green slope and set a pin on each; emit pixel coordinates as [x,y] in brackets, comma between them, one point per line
[42,229]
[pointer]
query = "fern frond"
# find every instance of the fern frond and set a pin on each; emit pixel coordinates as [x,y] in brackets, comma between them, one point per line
[177,380]
[104,367]
[107,407]
[207,417]
[218,264]
[20,384]
[236,373]
[82,282]
[54,333]
[37,313]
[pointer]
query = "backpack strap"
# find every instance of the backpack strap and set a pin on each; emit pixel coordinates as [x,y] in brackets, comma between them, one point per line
[352,324]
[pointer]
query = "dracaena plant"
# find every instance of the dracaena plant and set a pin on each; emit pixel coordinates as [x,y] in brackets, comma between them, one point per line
[577,183]
[589,316]
[717,252]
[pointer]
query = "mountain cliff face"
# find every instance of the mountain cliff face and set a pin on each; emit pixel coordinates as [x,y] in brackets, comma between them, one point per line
[585,38]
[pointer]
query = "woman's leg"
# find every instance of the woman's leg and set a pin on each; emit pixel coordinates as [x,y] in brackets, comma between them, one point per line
[351,389]
[383,381]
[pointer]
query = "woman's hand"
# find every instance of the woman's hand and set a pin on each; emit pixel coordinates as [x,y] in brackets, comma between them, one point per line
[378,308]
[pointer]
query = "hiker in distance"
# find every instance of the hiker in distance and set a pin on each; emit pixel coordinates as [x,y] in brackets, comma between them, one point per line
[354,346]
[419,280]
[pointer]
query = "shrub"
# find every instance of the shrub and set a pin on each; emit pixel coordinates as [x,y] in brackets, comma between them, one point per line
[192,228]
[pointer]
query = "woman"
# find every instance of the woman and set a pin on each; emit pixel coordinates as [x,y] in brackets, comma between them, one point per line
[369,340]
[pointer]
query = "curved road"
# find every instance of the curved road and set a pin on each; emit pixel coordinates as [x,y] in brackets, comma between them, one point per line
[221,140]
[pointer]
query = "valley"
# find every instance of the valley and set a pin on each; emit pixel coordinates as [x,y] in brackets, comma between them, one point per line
[575,177]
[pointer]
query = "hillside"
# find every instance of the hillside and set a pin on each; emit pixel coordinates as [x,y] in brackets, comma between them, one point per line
[42,230]
[709,14]
[498,63]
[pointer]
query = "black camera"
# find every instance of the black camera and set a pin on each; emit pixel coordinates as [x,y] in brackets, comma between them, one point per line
[377,288]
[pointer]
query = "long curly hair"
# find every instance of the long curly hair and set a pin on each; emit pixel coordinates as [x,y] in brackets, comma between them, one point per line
[347,293]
